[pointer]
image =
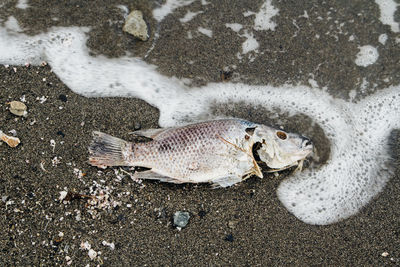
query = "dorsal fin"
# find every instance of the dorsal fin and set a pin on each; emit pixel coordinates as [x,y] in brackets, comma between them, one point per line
[150,133]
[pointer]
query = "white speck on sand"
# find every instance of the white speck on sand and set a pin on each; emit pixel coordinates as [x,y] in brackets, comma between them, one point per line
[205,31]
[189,16]
[263,18]
[383,38]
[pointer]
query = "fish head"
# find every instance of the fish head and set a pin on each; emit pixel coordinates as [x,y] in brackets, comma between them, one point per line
[280,149]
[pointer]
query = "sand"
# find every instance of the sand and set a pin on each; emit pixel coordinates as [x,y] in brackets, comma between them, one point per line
[245,225]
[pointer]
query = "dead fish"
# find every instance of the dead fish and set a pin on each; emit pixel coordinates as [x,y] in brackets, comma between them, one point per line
[217,151]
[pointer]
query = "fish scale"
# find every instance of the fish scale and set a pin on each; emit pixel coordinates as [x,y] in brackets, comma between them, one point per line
[190,150]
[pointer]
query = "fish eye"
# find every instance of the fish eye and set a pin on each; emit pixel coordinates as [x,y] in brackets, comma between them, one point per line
[281,135]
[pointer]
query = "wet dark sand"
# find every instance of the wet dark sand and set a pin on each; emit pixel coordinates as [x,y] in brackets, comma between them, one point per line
[242,225]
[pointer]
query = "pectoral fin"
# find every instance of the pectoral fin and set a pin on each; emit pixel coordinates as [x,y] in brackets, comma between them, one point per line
[226,181]
[150,175]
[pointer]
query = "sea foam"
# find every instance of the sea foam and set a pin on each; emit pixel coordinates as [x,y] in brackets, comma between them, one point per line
[358,165]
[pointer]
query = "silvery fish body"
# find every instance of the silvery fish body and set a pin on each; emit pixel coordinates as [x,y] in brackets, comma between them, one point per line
[218,152]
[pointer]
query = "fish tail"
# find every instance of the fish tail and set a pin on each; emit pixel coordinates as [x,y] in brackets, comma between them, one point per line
[106,150]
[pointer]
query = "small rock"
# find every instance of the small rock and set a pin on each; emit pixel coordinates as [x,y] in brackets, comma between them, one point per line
[63,195]
[226,75]
[385,254]
[202,213]
[135,25]
[232,224]
[61,133]
[137,126]
[13,132]
[109,244]
[229,238]
[181,218]
[18,108]
[63,98]
[92,254]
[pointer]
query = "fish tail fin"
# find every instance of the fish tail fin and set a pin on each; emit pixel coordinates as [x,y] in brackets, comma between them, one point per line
[106,150]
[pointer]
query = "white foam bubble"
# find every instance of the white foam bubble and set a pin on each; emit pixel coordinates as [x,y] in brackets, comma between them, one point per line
[353,175]
[250,44]
[189,16]
[124,9]
[383,38]
[248,13]
[22,4]
[356,171]
[387,10]
[263,20]
[12,24]
[236,27]
[205,31]
[367,56]
[168,7]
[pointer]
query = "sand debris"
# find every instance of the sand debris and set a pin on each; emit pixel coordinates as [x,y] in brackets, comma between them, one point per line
[108,244]
[91,252]
[181,219]
[10,140]
[18,108]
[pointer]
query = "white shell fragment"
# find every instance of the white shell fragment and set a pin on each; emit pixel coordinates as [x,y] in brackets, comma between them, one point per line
[18,108]
[10,140]
[136,26]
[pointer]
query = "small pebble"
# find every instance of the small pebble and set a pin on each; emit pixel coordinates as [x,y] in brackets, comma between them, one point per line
[135,25]
[63,98]
[202,213]
[18,108]
[229,238]
[61,133]
[181,218]
[232,224]
[13,132]
[137,126]
[92,254]
[385,254]
[63,194]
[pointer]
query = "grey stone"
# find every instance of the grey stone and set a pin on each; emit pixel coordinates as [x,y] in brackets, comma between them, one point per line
[181,218]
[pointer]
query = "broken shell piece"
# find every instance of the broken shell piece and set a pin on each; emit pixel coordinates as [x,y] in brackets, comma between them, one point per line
[10,140]
[135,25]
[18,108]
